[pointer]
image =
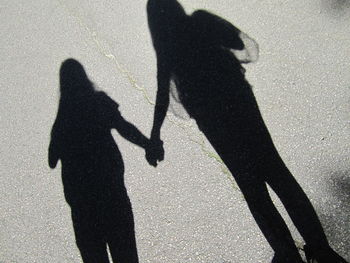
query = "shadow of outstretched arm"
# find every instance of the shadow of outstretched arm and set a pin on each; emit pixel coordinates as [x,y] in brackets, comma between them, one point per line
[156,151]
[130,132]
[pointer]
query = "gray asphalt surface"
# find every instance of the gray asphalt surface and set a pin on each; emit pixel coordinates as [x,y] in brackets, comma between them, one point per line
[188,209]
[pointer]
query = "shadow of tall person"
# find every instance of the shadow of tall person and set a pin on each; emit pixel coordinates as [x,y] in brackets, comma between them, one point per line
[199,53]
[92,167]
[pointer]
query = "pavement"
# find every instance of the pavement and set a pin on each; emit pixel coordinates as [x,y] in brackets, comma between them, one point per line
[188,209]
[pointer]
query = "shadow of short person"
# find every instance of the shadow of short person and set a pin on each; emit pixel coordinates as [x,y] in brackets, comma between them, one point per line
[92,167]
[200,54]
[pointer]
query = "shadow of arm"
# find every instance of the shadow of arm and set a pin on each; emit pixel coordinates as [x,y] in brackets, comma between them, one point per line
[162,100]
[156,151]
[53,149]
[130,132]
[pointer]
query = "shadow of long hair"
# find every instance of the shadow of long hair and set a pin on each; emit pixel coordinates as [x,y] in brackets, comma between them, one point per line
[92,168]
[197,52]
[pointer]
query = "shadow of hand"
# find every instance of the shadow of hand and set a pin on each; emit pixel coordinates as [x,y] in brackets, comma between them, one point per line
[155,152]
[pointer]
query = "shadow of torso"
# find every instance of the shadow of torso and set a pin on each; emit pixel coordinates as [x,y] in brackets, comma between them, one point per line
[92,165]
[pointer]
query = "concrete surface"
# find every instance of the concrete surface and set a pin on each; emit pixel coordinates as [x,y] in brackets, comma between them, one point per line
[188,208]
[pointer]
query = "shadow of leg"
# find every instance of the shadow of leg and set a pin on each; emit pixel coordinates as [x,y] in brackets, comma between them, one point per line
[124,250]
[89,238]
[121,233]
[300,211]
[268,218]
[92,253]
[297,205]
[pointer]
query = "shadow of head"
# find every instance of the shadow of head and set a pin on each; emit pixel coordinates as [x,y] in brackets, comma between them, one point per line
[164,17]
[165,9]
[73,78]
